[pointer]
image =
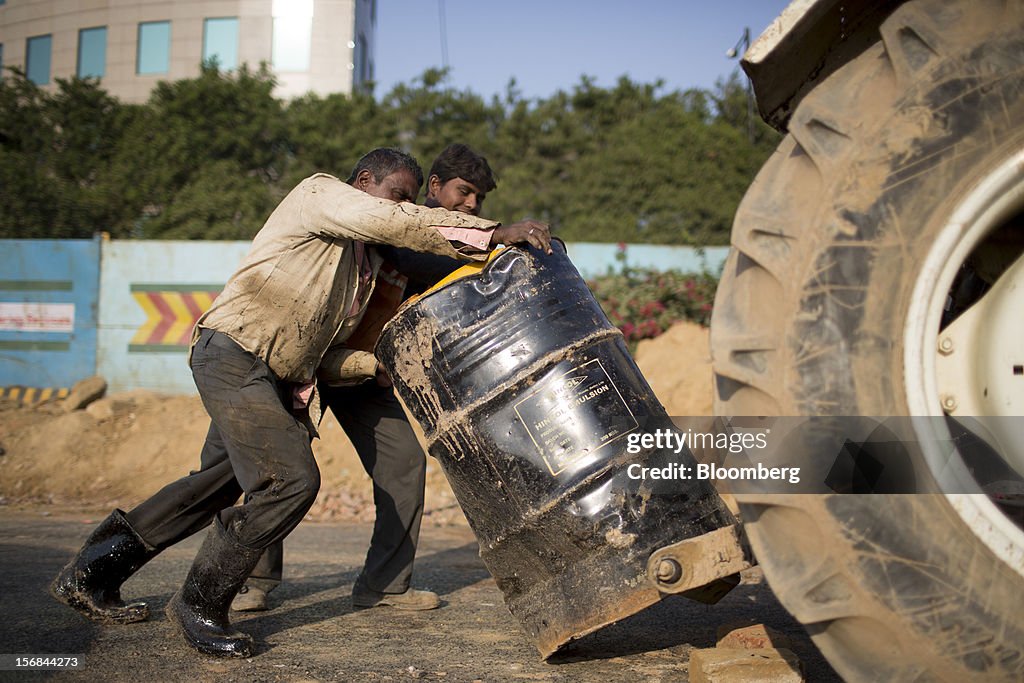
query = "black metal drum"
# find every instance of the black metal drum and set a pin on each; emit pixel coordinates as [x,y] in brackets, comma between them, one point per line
[527,395]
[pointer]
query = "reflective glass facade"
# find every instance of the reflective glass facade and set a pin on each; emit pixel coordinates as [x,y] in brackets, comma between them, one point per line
[220,42]
[154,52]
[38,52]
[92,52]
[293,32]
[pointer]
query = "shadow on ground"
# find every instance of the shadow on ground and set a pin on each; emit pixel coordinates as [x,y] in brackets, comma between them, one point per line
[313,634]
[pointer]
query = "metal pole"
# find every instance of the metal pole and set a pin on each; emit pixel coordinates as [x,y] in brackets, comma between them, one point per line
[734,53]
[444,34]
[750,90]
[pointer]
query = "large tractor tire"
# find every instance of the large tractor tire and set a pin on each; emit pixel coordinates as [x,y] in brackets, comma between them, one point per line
[900,172]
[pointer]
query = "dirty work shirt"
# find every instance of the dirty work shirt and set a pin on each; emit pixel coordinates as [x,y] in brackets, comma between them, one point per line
[298,290]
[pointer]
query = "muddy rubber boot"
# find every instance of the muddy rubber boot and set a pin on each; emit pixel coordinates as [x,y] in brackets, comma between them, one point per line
[91,583]
[200,608]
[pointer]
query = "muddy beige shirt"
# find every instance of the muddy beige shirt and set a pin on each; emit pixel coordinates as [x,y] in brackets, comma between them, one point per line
[298,291]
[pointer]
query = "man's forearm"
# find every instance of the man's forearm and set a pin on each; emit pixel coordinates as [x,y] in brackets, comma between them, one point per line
[332,208]
[341,365]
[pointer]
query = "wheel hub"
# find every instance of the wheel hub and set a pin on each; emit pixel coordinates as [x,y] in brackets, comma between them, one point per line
[980,365]
[969,368]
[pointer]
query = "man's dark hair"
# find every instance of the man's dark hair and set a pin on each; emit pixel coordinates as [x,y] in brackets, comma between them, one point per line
[459,161]
[384,161]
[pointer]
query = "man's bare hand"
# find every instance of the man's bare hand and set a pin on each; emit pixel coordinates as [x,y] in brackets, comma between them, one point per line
[533,232]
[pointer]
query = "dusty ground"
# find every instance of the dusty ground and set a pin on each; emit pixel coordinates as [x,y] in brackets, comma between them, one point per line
[313,634]
[62,472]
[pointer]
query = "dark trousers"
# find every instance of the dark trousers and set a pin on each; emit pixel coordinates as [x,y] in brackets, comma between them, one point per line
[374,421]
[254,446]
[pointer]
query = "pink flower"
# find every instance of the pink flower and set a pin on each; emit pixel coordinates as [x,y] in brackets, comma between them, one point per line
[650,328]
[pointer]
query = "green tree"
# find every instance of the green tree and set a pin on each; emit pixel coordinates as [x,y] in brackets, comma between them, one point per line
[220,202]
[428,116]
[189,131]
[209,157]
[627,164]
[25,139]
[53,152]
[734,106]
[329,134]
[664,176]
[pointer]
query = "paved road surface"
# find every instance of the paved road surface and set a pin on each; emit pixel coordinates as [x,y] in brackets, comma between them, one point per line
[313,633]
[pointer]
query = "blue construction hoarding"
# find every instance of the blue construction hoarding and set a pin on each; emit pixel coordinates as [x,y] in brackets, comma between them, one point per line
[49,297]
[151,294]
[124,309]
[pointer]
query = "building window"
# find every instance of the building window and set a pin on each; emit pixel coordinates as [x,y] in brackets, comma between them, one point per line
[220,42]
[92,52]
[37,59]
[293,30]
[154,52]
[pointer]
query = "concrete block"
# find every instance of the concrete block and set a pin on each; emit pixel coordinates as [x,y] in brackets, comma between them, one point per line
[85,392]
[737,665]
[109,407]
[751,637]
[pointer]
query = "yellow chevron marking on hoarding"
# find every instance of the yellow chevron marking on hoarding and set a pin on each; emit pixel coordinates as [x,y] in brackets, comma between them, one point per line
[183,320]
[203,299]
[153,318]
[171,312]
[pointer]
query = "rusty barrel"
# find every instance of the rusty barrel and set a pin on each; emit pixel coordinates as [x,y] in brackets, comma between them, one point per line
[527,396]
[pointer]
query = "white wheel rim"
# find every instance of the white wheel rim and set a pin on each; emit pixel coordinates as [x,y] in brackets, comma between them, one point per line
[985,207]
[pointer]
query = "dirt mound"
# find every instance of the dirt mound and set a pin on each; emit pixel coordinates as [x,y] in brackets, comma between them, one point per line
[678,367]
[123,448]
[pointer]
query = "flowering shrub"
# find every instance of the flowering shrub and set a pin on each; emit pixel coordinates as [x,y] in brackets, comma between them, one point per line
[643,302]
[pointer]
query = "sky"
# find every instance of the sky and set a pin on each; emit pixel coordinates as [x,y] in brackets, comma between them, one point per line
[548,45]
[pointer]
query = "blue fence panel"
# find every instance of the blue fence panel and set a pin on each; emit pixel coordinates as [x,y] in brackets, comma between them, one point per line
[151,294]
[64,317]
[49,291]
[593,259]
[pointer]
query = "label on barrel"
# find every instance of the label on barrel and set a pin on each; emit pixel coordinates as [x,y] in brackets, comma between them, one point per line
[573,415]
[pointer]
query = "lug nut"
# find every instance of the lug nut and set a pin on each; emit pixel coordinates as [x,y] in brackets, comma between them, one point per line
[945,346]
[949,403]
[669,571]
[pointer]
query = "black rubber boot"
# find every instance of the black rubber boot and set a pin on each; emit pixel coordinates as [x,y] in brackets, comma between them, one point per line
[91,583]
[200,608]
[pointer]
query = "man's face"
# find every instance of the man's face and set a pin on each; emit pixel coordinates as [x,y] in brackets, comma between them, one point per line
[457,194]
[400,186]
